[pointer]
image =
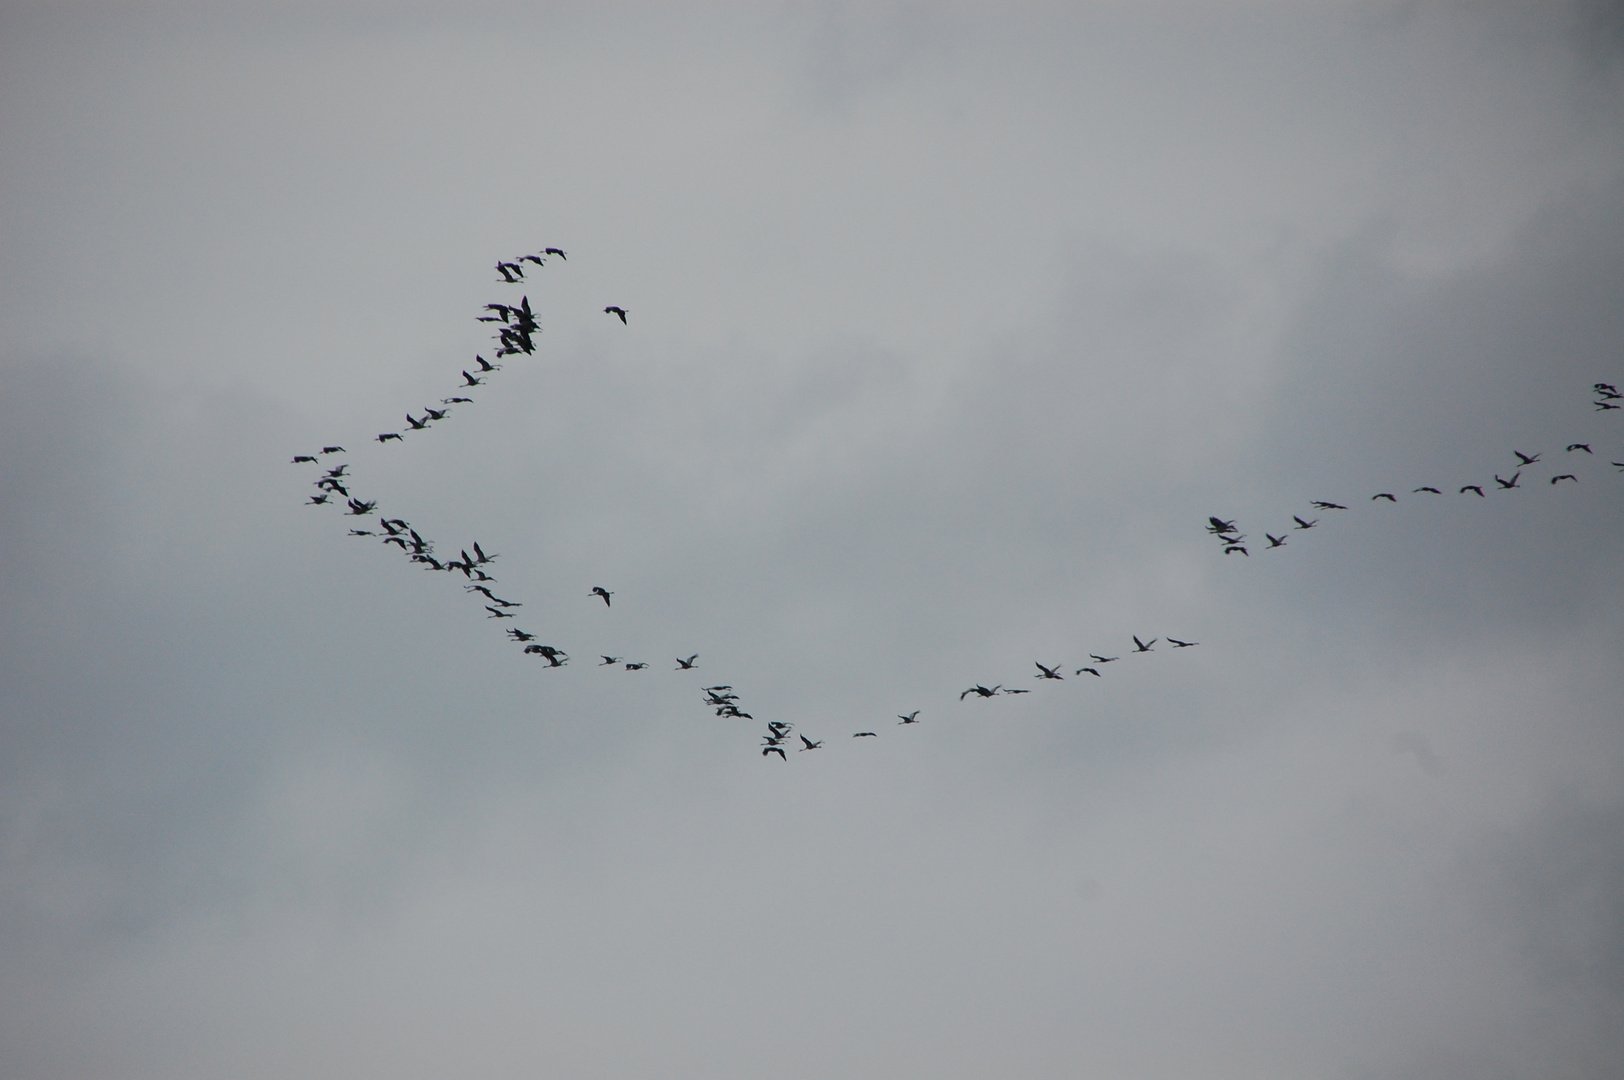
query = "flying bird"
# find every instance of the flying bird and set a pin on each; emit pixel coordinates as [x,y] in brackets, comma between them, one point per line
[1048,672]
[485,365]
[498,613]
[556,251]
[471,380]
[456,401]
[317,500]
[1524,459]
[519,635]
[1301,524]
[1092,671]
[980,691]
[1177,644]
[686,665]
[863,734]
[599,590]
[357,507]
[1565,476]
[1383,495]
[386,436]
[1321,505]
[1602,406]
[1471,487]
[636,666]
[612,310]
[1140,646]
[1276,541]
[1103,659]
[1434,490]
[1017,691]
[610,660]
[1218,525]
[1506,485]
[332,450]
[910,718]
[779,750]
[810,745]
[511,272]
[1580,446]
[417,425]
[1232,548]
[297,458]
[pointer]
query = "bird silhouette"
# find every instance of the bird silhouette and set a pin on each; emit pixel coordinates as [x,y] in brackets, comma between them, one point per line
[864,734]
[1049,672]
[1177,644]
[688,664]
[1580,446]
[1092,671]
[1301,524]
[1565,476]
[1275,541]
[1141,646]
[386,436]
[1524,459]
[1507,485]
[1471,487]
[1319,504]
[599,590]
[332,450]
[779,750]
[1384,495]
[910,718]
[298,458]
[1434,490]
[612,310]
[1103,659]
[810,745]
[980,691]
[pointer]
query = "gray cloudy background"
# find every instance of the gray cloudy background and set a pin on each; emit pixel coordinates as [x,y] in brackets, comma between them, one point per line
[949,326]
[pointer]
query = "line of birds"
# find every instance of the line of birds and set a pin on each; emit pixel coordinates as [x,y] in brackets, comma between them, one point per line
[1234,542]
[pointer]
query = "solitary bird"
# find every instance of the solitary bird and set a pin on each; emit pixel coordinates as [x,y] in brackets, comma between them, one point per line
[1471,487]
[612,310]
[1524,459]
[1383,495]
[1177,644]
[911,718]
[1141,646]
[599,590]
[688,664]
[980,691]
[1506,485]
[1049,672]
[1301,524]
[1434,490]
[810,745]
[1580,446]
[1565,476]
[1620,464]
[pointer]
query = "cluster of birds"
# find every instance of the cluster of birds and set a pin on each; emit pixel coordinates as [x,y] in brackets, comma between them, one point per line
[516,328]
[1234,542]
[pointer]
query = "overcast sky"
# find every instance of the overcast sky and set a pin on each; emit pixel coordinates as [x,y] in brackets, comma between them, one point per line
[948,326]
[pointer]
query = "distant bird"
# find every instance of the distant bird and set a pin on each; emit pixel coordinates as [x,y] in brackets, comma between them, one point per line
[471,380]
[1524,459]
[1141,646]
[519,635]
[1218,525]
[1301,524]
[511,272]
[722,687]
[864,734]
[688,664]
[1232,548]
[1471,487]
[1092,671]
[498,613]
[1434,490]
[1602,406]
[435,414]
[1620,464]
[485,365]
[980,691]
[417,425]
[1103,659]
[609,661]
[395,540]
[554,656]
[1048,672]
[336,473]
[556,251]
[599,590]
[357,507]
[1321,505]
[1177,644]
[910,718]
[612,310]
[1606,389]
[317,500]
[386,436]
[1383,495]
[1580,446]
[1565,476]
[636,666]
[1017,691]
[332,450]
[298,458]
[779,750]
[362,532]
[810,745]
[456,401]
[1276,541]
[1506,485]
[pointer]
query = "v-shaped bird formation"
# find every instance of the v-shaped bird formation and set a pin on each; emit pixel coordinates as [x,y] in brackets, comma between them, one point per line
[515,330]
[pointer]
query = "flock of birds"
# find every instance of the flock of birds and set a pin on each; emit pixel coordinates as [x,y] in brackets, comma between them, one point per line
[1607,399]
[515,328]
